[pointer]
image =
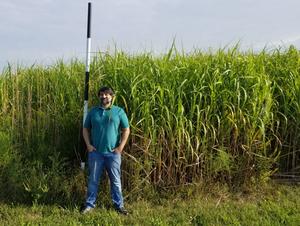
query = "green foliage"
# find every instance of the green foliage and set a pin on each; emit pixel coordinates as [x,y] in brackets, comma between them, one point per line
[222,116]
[5,149]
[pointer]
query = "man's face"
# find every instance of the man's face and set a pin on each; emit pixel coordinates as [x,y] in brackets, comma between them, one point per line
[105,98]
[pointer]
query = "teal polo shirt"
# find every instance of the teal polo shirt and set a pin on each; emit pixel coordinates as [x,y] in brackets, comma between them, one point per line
[105,125]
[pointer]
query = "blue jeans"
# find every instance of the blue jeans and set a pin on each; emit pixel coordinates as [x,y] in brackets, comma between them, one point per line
[112,163]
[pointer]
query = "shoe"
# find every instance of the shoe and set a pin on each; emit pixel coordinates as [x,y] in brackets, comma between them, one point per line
[87,210]
[122,210]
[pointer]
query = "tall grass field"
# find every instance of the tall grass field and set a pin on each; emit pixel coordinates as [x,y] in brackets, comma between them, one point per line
[224,116]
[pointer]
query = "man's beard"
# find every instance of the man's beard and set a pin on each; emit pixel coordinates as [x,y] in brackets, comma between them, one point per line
[105,101]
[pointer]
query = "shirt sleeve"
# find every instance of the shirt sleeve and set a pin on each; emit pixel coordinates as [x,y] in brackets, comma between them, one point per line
[123,120]
[87,123]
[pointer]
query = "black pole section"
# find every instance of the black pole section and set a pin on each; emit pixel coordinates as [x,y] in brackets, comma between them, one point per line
[89,20]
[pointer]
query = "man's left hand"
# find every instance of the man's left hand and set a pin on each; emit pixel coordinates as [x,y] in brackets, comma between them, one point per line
[118,150]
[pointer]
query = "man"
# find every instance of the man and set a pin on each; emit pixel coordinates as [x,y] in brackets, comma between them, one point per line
[101,134]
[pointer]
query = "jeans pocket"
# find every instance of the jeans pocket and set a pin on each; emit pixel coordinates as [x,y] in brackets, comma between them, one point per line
[116,153]
[91,154]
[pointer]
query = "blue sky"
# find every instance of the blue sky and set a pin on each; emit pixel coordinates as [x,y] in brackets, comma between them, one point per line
[43,31]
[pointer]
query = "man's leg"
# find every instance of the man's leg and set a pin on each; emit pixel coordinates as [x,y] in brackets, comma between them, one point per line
[96,165]
[113,167]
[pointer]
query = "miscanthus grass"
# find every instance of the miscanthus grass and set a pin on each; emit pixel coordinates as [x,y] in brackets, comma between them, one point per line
[225,116]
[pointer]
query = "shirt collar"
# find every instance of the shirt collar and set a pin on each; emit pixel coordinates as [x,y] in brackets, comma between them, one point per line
[110,107]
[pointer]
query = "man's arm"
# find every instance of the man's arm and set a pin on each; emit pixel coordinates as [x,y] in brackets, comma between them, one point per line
[86,137]
[124,138]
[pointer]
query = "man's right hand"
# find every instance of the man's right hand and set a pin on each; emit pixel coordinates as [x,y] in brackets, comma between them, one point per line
[90,148]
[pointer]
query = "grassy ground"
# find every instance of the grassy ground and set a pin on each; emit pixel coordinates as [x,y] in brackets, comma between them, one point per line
[278,205]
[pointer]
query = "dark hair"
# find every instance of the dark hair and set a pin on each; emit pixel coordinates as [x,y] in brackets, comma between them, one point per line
[107,90]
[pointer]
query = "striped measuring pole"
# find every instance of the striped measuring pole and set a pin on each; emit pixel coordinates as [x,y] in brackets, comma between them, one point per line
[87,63]
[87,69]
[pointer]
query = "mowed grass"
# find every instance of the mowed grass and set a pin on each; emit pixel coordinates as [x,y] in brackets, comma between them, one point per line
[275,205]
